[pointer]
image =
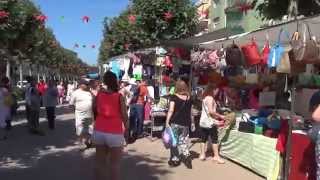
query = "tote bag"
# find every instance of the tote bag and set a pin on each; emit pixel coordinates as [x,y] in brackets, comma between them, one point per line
[284,66]
[251,53]
[265,53]
[276,52]
[234,56]
[306,48]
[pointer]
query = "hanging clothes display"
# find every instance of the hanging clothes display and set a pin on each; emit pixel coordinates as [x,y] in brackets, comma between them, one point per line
[126,66]
[137,72]
[115,68]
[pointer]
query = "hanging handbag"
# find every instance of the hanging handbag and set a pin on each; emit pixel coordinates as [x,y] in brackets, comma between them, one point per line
[234,56]
[316,80]
[251,53]
[265,53]
[276,52]
[252,77]
[213,57]
[284,66]
[304,79]
[306,49]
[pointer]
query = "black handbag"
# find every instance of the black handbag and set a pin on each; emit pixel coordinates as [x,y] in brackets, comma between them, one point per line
[246,127]
[234,56]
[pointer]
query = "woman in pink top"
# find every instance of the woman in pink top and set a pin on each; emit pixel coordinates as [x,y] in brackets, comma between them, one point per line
[110,124]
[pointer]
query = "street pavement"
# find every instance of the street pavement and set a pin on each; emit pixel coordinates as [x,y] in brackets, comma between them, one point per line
[56,157]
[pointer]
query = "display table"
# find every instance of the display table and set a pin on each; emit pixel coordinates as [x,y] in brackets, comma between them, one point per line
[256,152]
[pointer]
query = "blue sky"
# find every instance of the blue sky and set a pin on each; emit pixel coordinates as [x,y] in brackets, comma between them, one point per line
[72,30]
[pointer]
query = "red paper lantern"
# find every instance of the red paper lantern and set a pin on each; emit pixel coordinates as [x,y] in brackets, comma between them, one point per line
[86,19]
[4,14]
[132,19]
[245,7]
[168,16]
[126,46]
[41,18]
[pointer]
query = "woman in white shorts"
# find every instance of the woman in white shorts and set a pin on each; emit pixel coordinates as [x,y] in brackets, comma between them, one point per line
[110,125]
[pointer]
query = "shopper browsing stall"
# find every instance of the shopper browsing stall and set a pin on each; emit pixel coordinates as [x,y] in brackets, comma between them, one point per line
[179,118]
[209,122]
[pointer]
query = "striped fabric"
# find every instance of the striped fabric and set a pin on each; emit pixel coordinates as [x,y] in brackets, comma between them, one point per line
[253,151]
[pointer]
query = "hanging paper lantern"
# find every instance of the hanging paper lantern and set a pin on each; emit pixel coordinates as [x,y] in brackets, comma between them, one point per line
[4,14]
[245,7]
[126,46]
[93,46]
[168,16]
[76,45]
[132,19]
[84,46]
[86,19]
[41,18]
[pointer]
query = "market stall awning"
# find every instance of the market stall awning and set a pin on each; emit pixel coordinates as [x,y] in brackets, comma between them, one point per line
[194,41]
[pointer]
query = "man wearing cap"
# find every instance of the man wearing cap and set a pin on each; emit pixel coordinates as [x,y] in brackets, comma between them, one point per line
[82,100]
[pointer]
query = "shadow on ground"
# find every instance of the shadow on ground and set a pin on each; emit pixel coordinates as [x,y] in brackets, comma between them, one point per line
[55,157]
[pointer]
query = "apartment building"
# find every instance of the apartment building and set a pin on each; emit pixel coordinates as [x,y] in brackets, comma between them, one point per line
[237,16]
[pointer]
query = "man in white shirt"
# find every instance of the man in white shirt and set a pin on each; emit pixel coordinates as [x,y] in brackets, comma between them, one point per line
[82,100]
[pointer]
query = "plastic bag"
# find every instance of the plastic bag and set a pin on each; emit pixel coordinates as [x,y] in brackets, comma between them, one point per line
[168,138]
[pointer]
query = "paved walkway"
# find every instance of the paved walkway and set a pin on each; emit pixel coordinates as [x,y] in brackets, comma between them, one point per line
[55,157]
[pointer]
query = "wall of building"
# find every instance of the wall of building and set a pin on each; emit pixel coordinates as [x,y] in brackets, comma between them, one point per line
[235,21]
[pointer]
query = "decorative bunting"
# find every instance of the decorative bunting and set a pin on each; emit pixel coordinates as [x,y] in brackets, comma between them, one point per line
[62,18]
[76,45]
[84,46]
[86,19]
[93,46]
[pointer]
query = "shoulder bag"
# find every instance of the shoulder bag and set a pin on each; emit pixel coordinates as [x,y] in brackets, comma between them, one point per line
[306,49]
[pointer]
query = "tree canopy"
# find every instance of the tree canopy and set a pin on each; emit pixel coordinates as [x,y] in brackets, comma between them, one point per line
[23,32]
[146,23]
[276,9]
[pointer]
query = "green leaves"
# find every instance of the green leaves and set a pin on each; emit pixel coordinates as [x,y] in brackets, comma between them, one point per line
[155,21]
[275,9]
[21,32]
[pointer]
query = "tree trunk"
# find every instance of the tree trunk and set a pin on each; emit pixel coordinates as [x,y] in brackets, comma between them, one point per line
[30,70]
[8,69]
[38,72]
[20,72]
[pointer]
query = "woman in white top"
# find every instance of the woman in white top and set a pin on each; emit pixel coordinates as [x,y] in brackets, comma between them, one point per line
[82,100]
[210,120]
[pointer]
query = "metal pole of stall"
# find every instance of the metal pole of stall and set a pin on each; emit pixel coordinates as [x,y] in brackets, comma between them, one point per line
[289,136]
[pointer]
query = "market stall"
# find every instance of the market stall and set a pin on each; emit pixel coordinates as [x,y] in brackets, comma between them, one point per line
[262,76]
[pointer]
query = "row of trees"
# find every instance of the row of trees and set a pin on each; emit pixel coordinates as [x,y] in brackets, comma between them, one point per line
[146,23]
[23,34]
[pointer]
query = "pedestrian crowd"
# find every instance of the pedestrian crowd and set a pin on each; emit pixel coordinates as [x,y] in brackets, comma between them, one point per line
[110,115]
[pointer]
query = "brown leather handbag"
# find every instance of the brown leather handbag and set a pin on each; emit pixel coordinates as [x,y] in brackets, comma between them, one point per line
[305,48]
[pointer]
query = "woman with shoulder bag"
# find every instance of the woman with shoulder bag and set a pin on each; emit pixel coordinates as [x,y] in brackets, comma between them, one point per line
[179,118]
[210,120]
